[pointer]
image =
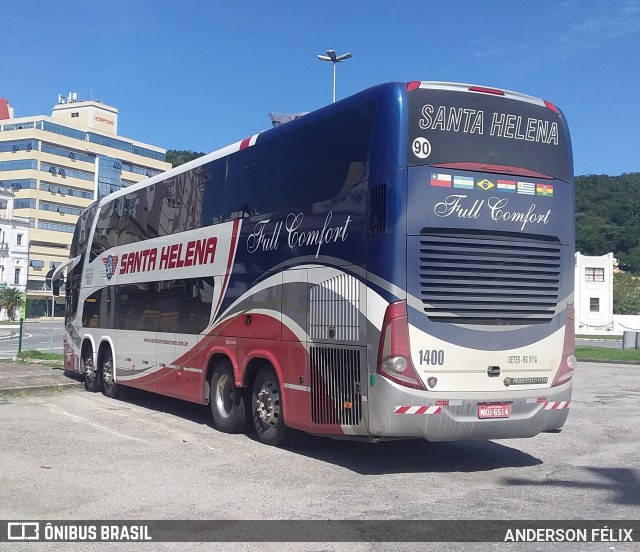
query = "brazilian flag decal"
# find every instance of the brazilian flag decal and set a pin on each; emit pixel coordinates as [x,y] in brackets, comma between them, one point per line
[485,184]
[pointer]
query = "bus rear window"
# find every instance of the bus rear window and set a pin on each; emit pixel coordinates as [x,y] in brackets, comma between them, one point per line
[467,129]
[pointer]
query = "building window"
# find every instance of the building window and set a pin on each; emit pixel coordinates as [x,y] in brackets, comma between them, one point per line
[19,165]
[54,169]
[75,114]
[594,304]
[69,228]
[109,176]
[24,204]
[16,277]
[19,239]
[594,274]
[58,208]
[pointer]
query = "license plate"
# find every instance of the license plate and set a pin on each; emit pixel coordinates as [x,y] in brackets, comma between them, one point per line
[494,411]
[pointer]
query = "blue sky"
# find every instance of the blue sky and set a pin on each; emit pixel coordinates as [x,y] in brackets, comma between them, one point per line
[199,75]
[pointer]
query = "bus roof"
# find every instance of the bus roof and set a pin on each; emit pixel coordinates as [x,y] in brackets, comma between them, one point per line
[389,88]
[475,88]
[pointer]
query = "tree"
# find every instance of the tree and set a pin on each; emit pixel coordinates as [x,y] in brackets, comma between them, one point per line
[608,217]
[178,157]
[10,300]
[626,293]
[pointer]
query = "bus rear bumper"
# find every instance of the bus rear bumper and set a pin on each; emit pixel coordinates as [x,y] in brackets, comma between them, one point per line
[398,412]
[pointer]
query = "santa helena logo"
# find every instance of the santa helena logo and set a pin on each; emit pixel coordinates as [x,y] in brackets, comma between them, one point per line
[110,264]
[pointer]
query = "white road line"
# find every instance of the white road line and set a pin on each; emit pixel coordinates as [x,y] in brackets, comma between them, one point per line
[85,421]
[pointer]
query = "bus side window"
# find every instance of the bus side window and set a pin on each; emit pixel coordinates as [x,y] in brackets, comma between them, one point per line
[104,236]
[215,207]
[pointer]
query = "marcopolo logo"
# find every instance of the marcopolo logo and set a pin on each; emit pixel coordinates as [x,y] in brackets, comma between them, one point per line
[524,381]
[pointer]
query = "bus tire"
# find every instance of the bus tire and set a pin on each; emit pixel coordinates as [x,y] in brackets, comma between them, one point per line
[92,376]
[229,404]
[109,387]
[266,401]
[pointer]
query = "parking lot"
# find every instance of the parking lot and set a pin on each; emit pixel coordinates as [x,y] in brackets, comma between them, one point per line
[76,455]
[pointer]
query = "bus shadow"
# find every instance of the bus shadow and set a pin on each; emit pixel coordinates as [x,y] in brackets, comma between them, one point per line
[411,456]
[622,484]
[365,458]
[196,413]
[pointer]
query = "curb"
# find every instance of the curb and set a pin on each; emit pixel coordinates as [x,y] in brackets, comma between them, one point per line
[29,389]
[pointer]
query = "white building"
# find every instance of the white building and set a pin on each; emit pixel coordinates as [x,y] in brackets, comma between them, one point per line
[14,247]
[57,166]
[593,298]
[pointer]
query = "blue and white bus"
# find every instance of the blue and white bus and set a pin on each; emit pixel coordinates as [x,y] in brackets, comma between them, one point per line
[398,264]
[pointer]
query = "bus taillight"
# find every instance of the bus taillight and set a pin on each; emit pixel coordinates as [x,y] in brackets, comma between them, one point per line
[486,90]
[568,364]
[394,355]
[551,106]
[413,85]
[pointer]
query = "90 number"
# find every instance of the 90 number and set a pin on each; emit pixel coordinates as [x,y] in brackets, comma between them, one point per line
[431,357]
[421,147]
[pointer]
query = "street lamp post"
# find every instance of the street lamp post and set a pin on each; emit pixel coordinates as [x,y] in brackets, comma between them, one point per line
[331,56]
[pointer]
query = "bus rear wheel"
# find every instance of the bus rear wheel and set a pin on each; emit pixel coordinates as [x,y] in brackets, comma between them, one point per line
[92,376]
[109,387]
[266,400]
[229,404]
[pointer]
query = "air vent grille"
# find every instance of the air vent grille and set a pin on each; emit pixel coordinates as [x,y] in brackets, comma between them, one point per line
[488,278]
[336,397]
[378,209]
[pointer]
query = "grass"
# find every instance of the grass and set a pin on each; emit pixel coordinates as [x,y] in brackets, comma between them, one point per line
[603,336]
[605,354]
[32,354]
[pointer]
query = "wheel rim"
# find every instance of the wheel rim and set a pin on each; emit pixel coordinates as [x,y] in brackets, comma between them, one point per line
[107,371]
[224,396]
[268,404]
[89,369]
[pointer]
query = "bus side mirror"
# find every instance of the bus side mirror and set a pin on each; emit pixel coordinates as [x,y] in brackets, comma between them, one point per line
[55,287]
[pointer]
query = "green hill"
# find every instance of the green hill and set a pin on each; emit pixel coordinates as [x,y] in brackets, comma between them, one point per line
[608,217]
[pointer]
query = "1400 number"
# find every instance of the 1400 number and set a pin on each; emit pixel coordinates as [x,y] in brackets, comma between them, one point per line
[432,357]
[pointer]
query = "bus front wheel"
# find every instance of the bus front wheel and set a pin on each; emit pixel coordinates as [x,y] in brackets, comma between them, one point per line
[229,404]
[110,388]
[268,417]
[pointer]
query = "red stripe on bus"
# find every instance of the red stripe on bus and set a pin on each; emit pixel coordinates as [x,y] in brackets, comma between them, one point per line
[232,253]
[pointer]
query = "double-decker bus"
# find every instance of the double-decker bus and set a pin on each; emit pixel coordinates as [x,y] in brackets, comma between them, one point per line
[398,264]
